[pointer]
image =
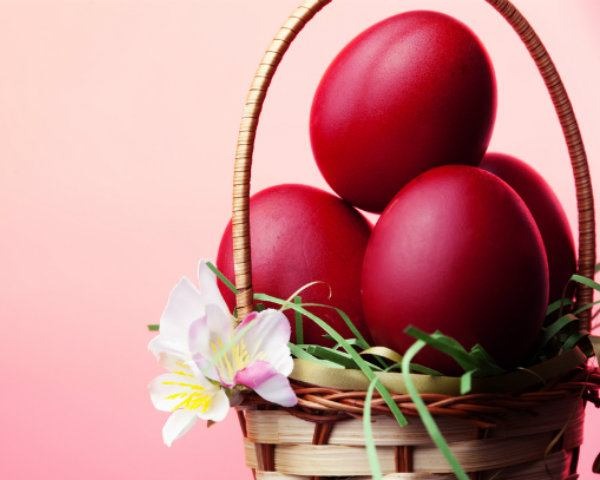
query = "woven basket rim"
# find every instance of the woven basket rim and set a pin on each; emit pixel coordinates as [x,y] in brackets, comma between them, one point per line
[326,405]
[514,381]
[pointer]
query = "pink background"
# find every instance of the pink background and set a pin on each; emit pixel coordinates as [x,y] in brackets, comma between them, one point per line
[117,127]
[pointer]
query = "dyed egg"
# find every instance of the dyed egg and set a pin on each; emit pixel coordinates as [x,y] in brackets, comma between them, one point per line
[300,234]
[547,212]
[458,251]
[412,92]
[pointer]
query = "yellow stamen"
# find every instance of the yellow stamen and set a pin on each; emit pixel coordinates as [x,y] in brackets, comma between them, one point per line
[193,398]
[193,386]
[235,359]
[195,401]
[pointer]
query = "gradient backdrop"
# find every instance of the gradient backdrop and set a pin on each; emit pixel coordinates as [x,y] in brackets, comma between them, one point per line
[118,122]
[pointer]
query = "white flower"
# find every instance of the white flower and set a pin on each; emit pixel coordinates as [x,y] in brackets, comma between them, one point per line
[189,396]
[255,354]
[185,305]
[210,360]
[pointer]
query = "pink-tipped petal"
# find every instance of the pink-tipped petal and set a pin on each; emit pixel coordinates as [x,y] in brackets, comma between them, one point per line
[278,390]
[267,338]
[274,387]
[255,374]
[247,319]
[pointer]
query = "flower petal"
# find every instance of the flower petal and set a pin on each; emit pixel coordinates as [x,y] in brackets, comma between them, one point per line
[261,377]
[211,337]
[255,374]
[267,337]
[170,390]
[207,337]
[278,390]
[178,423]
[218,409]
[214,326]
[175,362]
[185,304]
[220,323]
[199,346]
[209,290]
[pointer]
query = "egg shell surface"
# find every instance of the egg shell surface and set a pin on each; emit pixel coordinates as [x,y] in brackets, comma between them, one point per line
[458,251]
[412,92]
[300,234]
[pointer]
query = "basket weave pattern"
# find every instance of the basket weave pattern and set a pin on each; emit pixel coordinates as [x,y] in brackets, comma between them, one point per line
[532,435]
[535,435]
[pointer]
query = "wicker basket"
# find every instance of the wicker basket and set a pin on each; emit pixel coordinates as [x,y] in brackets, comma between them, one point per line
[527,430]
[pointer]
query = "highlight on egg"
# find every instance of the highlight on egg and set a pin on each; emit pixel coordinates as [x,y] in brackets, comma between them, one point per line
[457,250]
[412,92]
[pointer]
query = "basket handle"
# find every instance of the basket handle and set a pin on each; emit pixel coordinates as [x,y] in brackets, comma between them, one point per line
[256,96]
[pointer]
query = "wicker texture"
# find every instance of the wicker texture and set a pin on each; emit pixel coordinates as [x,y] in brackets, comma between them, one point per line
[516,443]
[534,435]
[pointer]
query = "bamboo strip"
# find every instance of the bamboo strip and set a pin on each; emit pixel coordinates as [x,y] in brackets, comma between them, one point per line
[279,427]
[486,454]
[282,428]
[573,436]
[337,460]
[549,468]
[278,476]
[548,417]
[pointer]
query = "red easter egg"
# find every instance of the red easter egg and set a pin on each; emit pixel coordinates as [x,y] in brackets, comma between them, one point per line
[547,212]
[300,234]
[458,251]
[412,92]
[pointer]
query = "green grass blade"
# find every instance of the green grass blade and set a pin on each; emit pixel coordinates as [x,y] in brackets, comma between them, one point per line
[444,345]
[228,283]
[486,365]
[573,340]
[396,361]
[557,305]
[302,354]
[336,356]
[362,342]
[426,417]
[588,282]
[585,307]
[368,434]
[555,328]
[363,366]
[466,382]
[299,323]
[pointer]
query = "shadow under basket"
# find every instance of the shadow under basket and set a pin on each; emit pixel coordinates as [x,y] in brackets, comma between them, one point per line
[494,433]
